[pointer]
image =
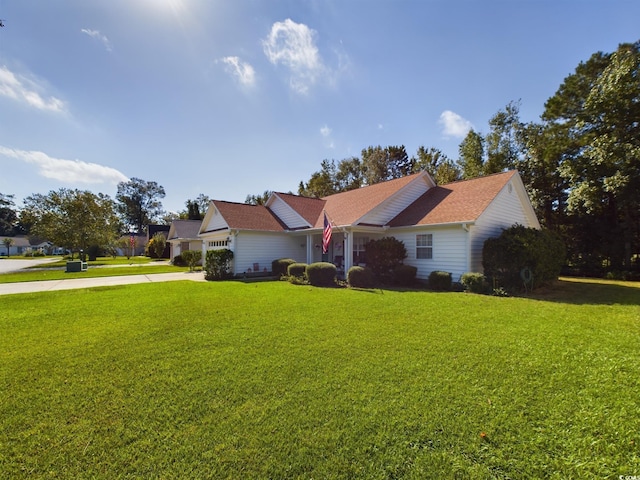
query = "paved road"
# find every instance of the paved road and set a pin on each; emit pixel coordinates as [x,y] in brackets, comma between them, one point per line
[14,264]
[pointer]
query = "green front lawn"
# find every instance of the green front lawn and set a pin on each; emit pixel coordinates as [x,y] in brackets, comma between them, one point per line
[272,380]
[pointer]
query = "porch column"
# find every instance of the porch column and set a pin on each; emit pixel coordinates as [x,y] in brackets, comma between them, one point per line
[348,251]
[309,248]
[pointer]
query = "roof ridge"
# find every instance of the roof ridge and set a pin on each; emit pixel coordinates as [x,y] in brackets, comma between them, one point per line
[511,171]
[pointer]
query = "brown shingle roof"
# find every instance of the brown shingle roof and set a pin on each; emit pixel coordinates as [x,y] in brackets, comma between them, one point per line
[248,217]
[456,202]
[308,208]
[347,207]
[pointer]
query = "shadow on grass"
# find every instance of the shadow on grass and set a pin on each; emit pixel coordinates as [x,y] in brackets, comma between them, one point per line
[586,291]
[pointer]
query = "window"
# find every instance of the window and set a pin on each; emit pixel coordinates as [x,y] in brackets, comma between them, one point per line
[424,246]
[358,250]
[218,243]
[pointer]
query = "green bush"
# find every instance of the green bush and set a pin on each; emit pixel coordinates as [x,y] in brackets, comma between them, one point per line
[178,261]
[297,270]
[279,267]
[218,264]
[93,252]
[322,274]
[383,256]
[475,282]
[440,281]
[504,258]
[405,275]
[191,258]
[360,277]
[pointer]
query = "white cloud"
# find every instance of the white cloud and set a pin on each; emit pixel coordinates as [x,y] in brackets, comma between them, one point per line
[66,171]
[325,131]
[454,125]
[292,45]
[243,71]
[21,89]
[100,37]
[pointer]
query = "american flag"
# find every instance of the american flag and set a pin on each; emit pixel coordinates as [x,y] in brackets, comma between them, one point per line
[326,235]
[132,241]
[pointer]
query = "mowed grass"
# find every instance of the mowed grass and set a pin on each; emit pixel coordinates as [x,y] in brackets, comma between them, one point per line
[272,380]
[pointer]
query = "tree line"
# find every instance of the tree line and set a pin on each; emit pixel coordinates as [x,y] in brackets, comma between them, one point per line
[80,219]
[580,164]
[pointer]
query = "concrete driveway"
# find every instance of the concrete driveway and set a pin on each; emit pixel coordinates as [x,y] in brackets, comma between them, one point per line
[13,265]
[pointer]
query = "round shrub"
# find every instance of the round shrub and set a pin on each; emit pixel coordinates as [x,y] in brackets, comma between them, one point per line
[475,282]
[322,274]
[279,267]
[405,275]
[296,270]
[360,277]
[440,281]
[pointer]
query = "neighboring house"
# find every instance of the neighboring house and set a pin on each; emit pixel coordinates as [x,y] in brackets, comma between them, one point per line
[41,245]
[183,235]
[442,227]
[133,247]
[19,246]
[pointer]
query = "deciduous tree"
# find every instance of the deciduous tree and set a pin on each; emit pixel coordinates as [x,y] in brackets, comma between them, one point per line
[139,203]
[74,219]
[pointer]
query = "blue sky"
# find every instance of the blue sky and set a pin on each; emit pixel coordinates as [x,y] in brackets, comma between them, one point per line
[230,98]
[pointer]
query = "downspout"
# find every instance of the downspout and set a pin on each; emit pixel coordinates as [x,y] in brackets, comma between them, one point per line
[467,246]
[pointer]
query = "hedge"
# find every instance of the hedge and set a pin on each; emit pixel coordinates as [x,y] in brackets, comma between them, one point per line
[279,266]
[360,277]
[297,270]
[440,281]
[322,274]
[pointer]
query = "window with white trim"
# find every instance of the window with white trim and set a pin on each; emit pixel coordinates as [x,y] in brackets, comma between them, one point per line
[424,246]
[358,250]
[218,243]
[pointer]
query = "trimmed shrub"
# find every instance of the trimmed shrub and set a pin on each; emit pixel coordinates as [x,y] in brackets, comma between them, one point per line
[475,282]
[360,277]
[178,261]
[218,264]
[383,256]
[440,281]
[405,275]
[279,267]
[191,258]
[322,274]
[297,270]
[506,257]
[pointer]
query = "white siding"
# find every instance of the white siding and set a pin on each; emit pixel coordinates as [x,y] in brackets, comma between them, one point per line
[287,214]
[392,207]
[216,222]
[449,250]
[263,248]
[505,211]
